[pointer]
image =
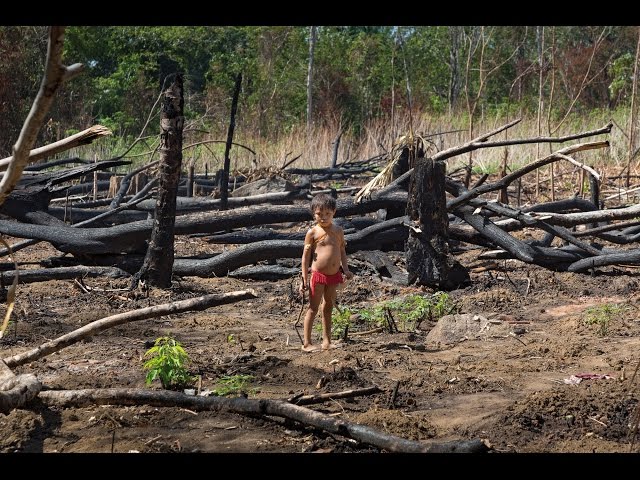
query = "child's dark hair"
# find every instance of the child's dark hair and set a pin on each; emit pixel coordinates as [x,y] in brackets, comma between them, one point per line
[322,200]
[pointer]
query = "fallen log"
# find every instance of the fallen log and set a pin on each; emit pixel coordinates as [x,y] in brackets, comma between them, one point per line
[61,273]
[198,304]
[58,177]
[253,235]
[581,218]
[384,266]
[257,407]
[626,236]
[17,391]
[55,163]
[200,204]
[132,237]
[546,257]
[77,215]
[388,232]
[265,272]
[30,200]
[627,257]
[95,219]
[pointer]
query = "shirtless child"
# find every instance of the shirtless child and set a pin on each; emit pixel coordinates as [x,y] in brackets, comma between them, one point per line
[324,251]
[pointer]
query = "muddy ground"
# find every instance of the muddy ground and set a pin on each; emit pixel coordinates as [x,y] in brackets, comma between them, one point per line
[509,385]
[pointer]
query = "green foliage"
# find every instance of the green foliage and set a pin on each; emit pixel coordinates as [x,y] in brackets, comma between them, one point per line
[441,305]
[601,316]
[234,385]
[361,73]
[167,361]
[489,169]
[621,74]
[22,54]
[340,320]
[373,317]
[408,313]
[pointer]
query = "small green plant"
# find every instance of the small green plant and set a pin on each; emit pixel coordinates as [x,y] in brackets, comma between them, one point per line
[601,316]
[443,305]
[167,361]
[410,311]
[340,320]
[234,385]
[373,317]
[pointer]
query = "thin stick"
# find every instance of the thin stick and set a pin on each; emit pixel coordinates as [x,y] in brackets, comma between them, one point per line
[301,399]
[295,325]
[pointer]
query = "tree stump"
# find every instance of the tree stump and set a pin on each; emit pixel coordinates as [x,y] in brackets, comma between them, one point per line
[429,261]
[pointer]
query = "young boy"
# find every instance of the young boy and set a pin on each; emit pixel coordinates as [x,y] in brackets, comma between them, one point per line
[324,250]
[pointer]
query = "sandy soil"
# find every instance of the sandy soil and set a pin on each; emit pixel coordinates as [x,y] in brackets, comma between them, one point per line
[507,386]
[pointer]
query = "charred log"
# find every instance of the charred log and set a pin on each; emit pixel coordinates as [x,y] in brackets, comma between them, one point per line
[132,237]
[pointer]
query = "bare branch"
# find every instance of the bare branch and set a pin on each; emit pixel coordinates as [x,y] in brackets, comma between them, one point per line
[506,180]
[81,138]
[199,303]
[55,75]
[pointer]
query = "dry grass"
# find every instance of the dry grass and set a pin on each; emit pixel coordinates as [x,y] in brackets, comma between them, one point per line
[315,149]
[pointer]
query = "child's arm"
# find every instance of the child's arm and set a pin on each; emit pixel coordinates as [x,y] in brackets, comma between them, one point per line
[306,257]
[343,256]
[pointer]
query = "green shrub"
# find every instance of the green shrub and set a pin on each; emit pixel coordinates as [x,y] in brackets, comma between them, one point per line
[340,320]
[167,361]
[233,385]
[601,316]
[408,312]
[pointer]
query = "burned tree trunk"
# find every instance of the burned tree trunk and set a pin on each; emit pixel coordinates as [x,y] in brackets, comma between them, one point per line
[427,254]
[158,262]
[400,167]
[224,185]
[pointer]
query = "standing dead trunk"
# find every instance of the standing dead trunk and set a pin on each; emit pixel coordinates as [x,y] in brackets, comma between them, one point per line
[427,254]
[190,177]
[632,113]
[336,147]
[158,262]
[404,163]
[224,184]
[455,33]
[312,46]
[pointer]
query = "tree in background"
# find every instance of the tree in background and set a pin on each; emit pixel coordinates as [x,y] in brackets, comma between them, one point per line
[357,71]
[22,53]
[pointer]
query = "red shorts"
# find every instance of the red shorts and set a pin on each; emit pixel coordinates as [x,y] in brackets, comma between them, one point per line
[317,277]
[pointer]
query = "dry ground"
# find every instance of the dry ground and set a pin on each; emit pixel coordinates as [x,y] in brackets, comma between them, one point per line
[506,386]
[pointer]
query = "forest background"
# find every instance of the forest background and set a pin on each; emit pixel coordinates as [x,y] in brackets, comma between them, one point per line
[306,91]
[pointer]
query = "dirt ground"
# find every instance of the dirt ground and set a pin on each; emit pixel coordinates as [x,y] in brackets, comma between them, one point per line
[510,386]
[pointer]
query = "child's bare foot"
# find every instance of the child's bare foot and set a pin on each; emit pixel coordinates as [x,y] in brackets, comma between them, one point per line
[309,348]
[330,346]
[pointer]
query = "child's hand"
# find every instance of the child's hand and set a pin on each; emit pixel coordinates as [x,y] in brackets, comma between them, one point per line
[302,289]
[348,274]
